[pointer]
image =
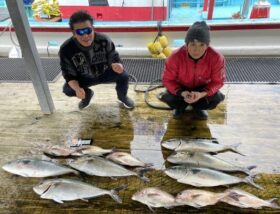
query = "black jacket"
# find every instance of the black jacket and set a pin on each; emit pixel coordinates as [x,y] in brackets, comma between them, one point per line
[78,62]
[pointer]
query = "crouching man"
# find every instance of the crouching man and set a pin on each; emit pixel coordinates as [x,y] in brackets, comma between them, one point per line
[89,58]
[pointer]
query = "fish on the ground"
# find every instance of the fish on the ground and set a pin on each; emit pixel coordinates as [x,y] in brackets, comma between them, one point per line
[200,159]
[198,198]
[93,150]
[64,151]
[239,198]
[199,145]
[61,190]
[154,197]
[36,168]
[126,159]
[59,151]
[203,177]
[99,166]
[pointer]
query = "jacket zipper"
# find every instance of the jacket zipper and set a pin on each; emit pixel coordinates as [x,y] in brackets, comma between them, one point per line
[194,74]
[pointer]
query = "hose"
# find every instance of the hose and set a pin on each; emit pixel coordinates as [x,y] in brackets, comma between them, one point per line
[150,88]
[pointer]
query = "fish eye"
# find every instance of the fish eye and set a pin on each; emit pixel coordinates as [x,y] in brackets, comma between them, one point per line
[26,161]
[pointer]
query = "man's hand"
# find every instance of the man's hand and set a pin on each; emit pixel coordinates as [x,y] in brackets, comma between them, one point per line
[80,93]
[192,97]
[117,67]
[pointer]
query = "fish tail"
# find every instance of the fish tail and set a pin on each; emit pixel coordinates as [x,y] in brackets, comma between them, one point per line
[249,180]
[114,193]
[273,203]
[234,149]
[163,165]
[114,149]
[251,167]
[140,172]
[76,172]
[248,169]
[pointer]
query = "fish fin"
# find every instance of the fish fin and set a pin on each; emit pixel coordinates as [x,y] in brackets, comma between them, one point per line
[58,200]
[215,141]
[168,207]
[119,155]
[249,180]
[140,172]
[181,180]
[234,195]
[122,187]
[76,154]
[196,195]
[114,178]
[115,196]
[152,194]
[173,153]
[151,209]
[148,165]
[197,206]
[213,153]
[177,147]
[113,150]
[248,172]
[83,199]
[122,155]
[273,203]
[162,168]
[22,174]
[114,193]
[15,176]
[251,167]
[76,172]
[234,149]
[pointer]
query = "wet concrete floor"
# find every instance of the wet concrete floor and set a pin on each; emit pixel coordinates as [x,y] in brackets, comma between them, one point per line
[249,116]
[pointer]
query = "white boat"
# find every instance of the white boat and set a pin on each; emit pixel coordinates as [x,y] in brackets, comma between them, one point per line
[230,36]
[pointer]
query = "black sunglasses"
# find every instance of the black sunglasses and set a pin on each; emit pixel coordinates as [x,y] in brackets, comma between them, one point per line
[83,31]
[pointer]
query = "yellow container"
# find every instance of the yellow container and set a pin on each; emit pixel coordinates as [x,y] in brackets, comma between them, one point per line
[163,41]
[161,56]
[167,51]
[151,48]
[157,47]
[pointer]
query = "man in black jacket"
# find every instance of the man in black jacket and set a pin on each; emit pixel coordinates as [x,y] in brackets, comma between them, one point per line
[89,58]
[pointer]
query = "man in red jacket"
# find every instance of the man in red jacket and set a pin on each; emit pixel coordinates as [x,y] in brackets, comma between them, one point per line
[193,74]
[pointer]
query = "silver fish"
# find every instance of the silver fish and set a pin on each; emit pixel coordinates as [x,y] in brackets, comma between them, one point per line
[154,197]
[36,168]
[126,159]
[199,159]
[59,151]
[61,190]
[240,198]
[63,151]
[203,177]
[92,150]
[99,166]
[198,198]
[198,145]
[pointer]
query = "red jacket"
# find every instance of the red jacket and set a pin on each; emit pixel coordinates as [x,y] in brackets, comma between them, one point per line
[181,71]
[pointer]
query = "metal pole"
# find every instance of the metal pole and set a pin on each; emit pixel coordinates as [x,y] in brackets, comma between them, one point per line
[30,54]
[211,9]
[245,9]
[152,11]
[205,5]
